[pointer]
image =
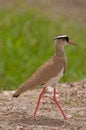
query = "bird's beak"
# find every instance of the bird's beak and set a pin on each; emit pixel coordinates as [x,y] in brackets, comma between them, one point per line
[70,42]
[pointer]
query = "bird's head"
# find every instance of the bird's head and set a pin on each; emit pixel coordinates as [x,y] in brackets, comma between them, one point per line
[63,40]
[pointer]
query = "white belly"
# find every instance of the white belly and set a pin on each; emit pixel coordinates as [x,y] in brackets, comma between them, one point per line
[54,81]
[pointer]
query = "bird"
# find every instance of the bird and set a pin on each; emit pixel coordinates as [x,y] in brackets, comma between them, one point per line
[49,73]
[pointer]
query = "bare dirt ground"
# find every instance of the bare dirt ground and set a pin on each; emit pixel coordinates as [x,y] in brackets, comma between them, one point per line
[17,113]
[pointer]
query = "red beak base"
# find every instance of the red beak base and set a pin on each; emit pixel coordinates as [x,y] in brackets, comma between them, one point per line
[70,42]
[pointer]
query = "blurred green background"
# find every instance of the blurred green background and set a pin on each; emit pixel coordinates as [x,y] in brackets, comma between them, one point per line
[27,31]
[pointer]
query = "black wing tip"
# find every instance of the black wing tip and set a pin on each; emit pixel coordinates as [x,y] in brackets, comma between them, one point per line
[15,95]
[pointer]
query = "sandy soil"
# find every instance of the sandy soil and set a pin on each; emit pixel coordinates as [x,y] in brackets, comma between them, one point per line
[17,113]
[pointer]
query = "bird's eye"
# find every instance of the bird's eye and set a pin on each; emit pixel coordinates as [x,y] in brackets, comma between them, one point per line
[64,39]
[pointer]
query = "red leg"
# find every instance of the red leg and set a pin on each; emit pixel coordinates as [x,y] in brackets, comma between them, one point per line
[39,98]
[57,103]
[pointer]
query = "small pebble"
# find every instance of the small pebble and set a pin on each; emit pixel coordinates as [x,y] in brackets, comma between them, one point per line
[57,95]
[69,116]
[19,128]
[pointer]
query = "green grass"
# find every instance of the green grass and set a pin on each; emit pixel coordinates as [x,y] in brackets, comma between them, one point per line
[27,40]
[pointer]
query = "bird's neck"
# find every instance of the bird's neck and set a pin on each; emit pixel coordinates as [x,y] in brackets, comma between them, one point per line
[61,56]
[60,50]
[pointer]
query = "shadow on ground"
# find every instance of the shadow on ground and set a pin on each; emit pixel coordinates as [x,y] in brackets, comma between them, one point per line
[43,121]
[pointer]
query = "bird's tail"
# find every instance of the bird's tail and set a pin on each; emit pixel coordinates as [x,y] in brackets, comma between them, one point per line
[28,85]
